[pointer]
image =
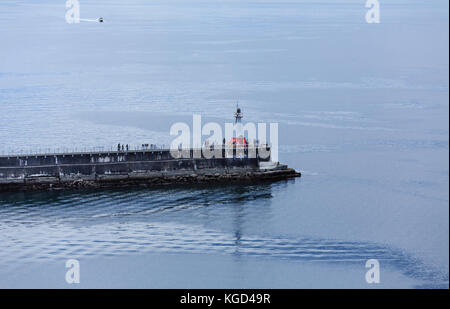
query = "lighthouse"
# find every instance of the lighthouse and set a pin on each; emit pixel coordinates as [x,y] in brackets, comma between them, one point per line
[239,140]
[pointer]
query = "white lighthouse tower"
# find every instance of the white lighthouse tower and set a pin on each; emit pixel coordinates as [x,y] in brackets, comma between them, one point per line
[239,139]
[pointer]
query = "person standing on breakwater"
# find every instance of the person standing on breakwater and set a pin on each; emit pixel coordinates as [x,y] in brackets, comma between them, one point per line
[127,147]
[118,147]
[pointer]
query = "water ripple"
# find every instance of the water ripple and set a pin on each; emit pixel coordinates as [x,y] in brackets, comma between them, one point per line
[53,226]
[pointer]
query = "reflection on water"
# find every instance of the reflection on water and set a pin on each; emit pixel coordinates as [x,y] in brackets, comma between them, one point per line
[56,225]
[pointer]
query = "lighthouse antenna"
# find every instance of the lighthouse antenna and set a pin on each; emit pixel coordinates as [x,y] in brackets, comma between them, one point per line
[238,114]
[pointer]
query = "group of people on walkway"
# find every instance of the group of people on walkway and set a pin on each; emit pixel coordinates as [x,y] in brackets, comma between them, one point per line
[122,147]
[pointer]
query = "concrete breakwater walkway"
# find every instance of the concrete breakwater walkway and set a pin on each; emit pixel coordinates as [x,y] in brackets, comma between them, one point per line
[135,168]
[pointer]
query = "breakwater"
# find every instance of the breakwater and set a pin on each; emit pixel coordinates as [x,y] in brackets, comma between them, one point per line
[129,168]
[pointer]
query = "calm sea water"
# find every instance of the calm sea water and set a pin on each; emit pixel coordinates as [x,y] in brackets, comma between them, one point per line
[362,112]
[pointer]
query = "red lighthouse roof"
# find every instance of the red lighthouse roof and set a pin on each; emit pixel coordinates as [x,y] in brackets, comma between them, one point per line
[238,142]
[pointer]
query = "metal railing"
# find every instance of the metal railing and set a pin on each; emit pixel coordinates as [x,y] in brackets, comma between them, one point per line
[115,149]
[75,150]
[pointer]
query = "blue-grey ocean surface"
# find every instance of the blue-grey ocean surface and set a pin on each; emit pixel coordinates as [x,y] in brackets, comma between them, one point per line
[362,111]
